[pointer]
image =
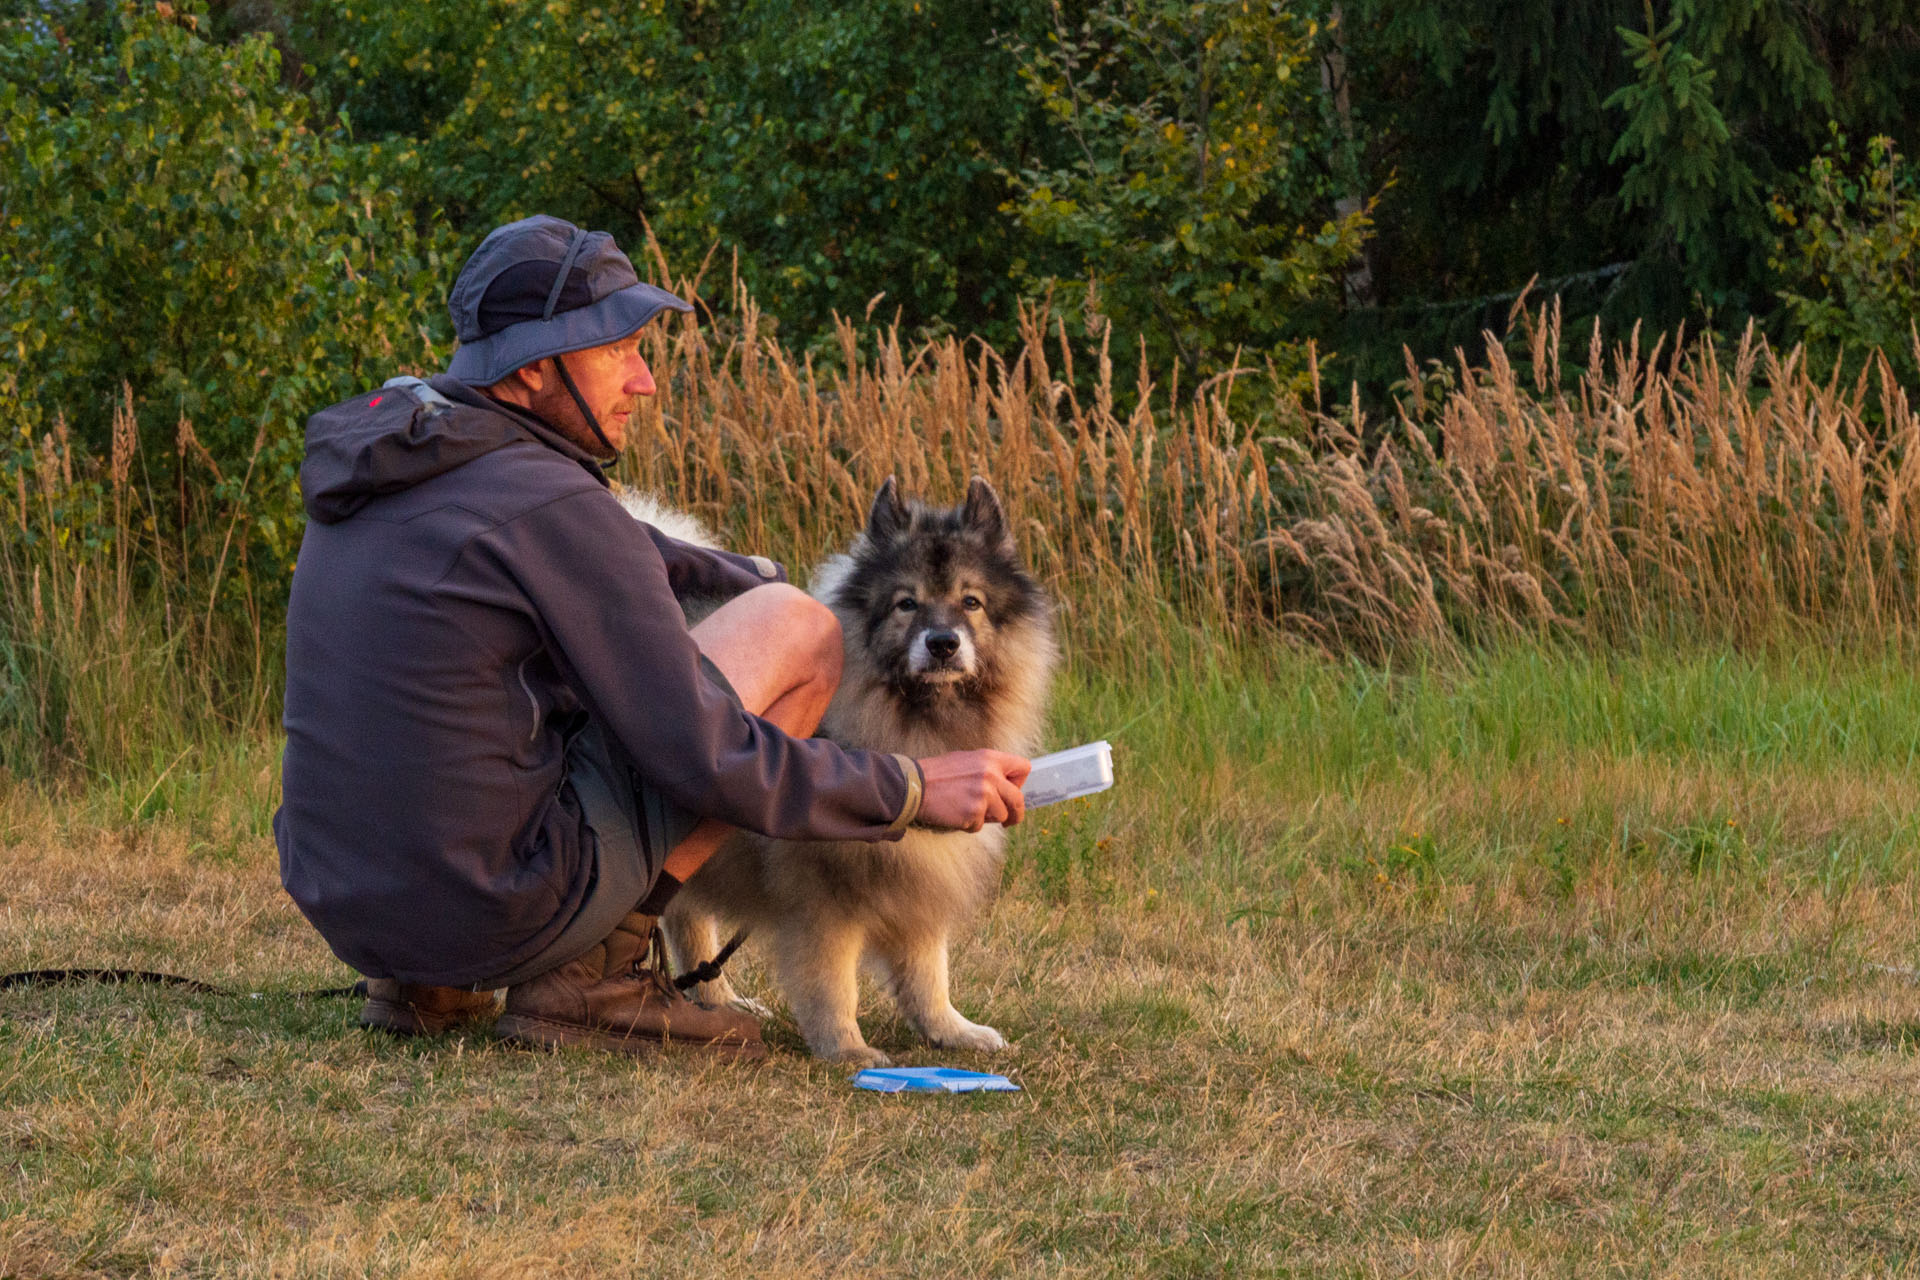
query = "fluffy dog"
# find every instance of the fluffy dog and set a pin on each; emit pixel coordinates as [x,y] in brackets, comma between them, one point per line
[949,647]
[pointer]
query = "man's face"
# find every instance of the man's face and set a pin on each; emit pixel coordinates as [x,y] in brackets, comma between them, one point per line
[611,378]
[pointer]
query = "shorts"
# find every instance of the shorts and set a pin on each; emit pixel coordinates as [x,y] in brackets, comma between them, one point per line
[634,826]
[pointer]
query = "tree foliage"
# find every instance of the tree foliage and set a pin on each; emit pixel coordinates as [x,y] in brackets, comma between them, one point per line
[1193,200]
[510,108]
[1683,167]
[848,153]
[1537,137]
[174,223]
[1848,254]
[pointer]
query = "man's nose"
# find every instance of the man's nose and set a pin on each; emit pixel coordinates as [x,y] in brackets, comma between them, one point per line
[639,379]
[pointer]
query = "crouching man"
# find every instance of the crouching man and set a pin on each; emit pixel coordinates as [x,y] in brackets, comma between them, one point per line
[505,748]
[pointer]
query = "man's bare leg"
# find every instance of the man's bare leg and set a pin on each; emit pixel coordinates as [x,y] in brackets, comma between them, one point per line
[781,650]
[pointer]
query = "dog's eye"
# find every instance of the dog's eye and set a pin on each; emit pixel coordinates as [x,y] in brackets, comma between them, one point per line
[971,604]
[906,604]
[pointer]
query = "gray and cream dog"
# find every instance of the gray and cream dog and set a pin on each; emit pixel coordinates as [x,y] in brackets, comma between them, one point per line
[949,647]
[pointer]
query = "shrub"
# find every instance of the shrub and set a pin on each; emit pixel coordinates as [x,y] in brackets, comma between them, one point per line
[848,151]
[1846,255]
[176,225]
[1189,201]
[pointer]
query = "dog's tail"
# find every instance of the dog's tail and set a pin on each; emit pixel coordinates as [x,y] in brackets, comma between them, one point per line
[648,509]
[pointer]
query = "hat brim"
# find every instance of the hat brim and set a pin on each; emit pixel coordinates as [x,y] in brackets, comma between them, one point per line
[618,315]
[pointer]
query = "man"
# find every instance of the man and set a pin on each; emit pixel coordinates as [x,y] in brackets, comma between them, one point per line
[505,748]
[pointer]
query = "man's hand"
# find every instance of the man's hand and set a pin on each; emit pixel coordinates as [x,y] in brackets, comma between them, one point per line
[968,789]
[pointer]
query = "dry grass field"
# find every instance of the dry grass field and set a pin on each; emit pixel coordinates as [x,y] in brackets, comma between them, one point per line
[1513,870]
[1536,963]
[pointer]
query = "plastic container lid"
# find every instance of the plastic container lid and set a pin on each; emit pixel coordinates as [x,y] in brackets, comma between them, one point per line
[1070,774]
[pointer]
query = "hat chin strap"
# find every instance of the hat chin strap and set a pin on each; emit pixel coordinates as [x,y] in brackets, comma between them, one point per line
[580,403]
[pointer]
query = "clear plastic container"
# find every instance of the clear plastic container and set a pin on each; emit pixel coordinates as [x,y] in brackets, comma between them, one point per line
[1070,774]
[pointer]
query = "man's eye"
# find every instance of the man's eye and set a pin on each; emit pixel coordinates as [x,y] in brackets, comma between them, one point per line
[907,604]
[971,604]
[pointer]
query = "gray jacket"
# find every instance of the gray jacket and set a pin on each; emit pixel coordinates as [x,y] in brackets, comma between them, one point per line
[468,590]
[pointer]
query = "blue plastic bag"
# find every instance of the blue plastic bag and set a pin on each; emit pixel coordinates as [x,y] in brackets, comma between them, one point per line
[931,1080]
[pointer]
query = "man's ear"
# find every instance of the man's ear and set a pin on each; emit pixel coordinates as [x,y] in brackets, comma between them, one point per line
[521,386]
[531,377]
[887,518]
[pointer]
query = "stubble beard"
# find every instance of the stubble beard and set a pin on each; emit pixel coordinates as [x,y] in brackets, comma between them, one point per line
[556,407]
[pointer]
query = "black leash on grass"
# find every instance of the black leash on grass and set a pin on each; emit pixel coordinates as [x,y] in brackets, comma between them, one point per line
[706,971]
[47,977]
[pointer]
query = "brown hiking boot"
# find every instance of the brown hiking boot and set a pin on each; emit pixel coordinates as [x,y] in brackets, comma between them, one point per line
[409,1010]
[618,997]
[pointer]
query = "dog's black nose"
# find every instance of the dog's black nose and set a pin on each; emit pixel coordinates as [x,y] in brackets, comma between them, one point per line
[943,644]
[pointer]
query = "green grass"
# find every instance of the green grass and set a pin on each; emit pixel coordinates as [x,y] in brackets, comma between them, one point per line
[1542,963]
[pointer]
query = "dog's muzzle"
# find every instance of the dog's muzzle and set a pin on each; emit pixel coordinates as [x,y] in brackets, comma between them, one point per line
[941,653]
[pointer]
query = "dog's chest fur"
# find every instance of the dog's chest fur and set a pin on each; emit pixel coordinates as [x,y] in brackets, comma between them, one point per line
[928,882]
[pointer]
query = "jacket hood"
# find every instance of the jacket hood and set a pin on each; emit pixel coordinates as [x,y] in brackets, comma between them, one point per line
[407,432]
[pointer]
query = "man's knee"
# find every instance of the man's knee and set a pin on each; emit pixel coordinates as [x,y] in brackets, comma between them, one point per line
[825,645]
[807,629]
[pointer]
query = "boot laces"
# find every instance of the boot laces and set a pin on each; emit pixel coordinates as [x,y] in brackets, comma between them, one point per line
[651,965]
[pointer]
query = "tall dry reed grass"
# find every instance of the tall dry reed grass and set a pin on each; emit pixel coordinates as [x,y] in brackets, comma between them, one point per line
[1693,487]
[131,626]
[1144,521]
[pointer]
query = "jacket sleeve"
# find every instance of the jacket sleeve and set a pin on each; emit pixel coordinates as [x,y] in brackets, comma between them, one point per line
[694,570]
[602,595]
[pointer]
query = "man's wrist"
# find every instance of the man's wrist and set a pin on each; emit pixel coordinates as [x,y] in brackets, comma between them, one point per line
[916,792]
[659,896]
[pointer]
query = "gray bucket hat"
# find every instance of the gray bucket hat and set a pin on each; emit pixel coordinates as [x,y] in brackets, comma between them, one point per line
[543,287]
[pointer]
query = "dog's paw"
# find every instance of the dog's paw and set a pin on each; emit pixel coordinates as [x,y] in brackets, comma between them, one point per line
[969,1035]
[751,1007]
[862,1056]
[719,993]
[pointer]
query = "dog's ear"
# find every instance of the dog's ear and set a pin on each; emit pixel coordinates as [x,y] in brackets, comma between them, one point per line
[888,518]
[983,513]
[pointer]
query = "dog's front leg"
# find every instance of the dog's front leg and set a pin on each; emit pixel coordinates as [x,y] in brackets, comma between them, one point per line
[819,968]
[917,979]
[692,938]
